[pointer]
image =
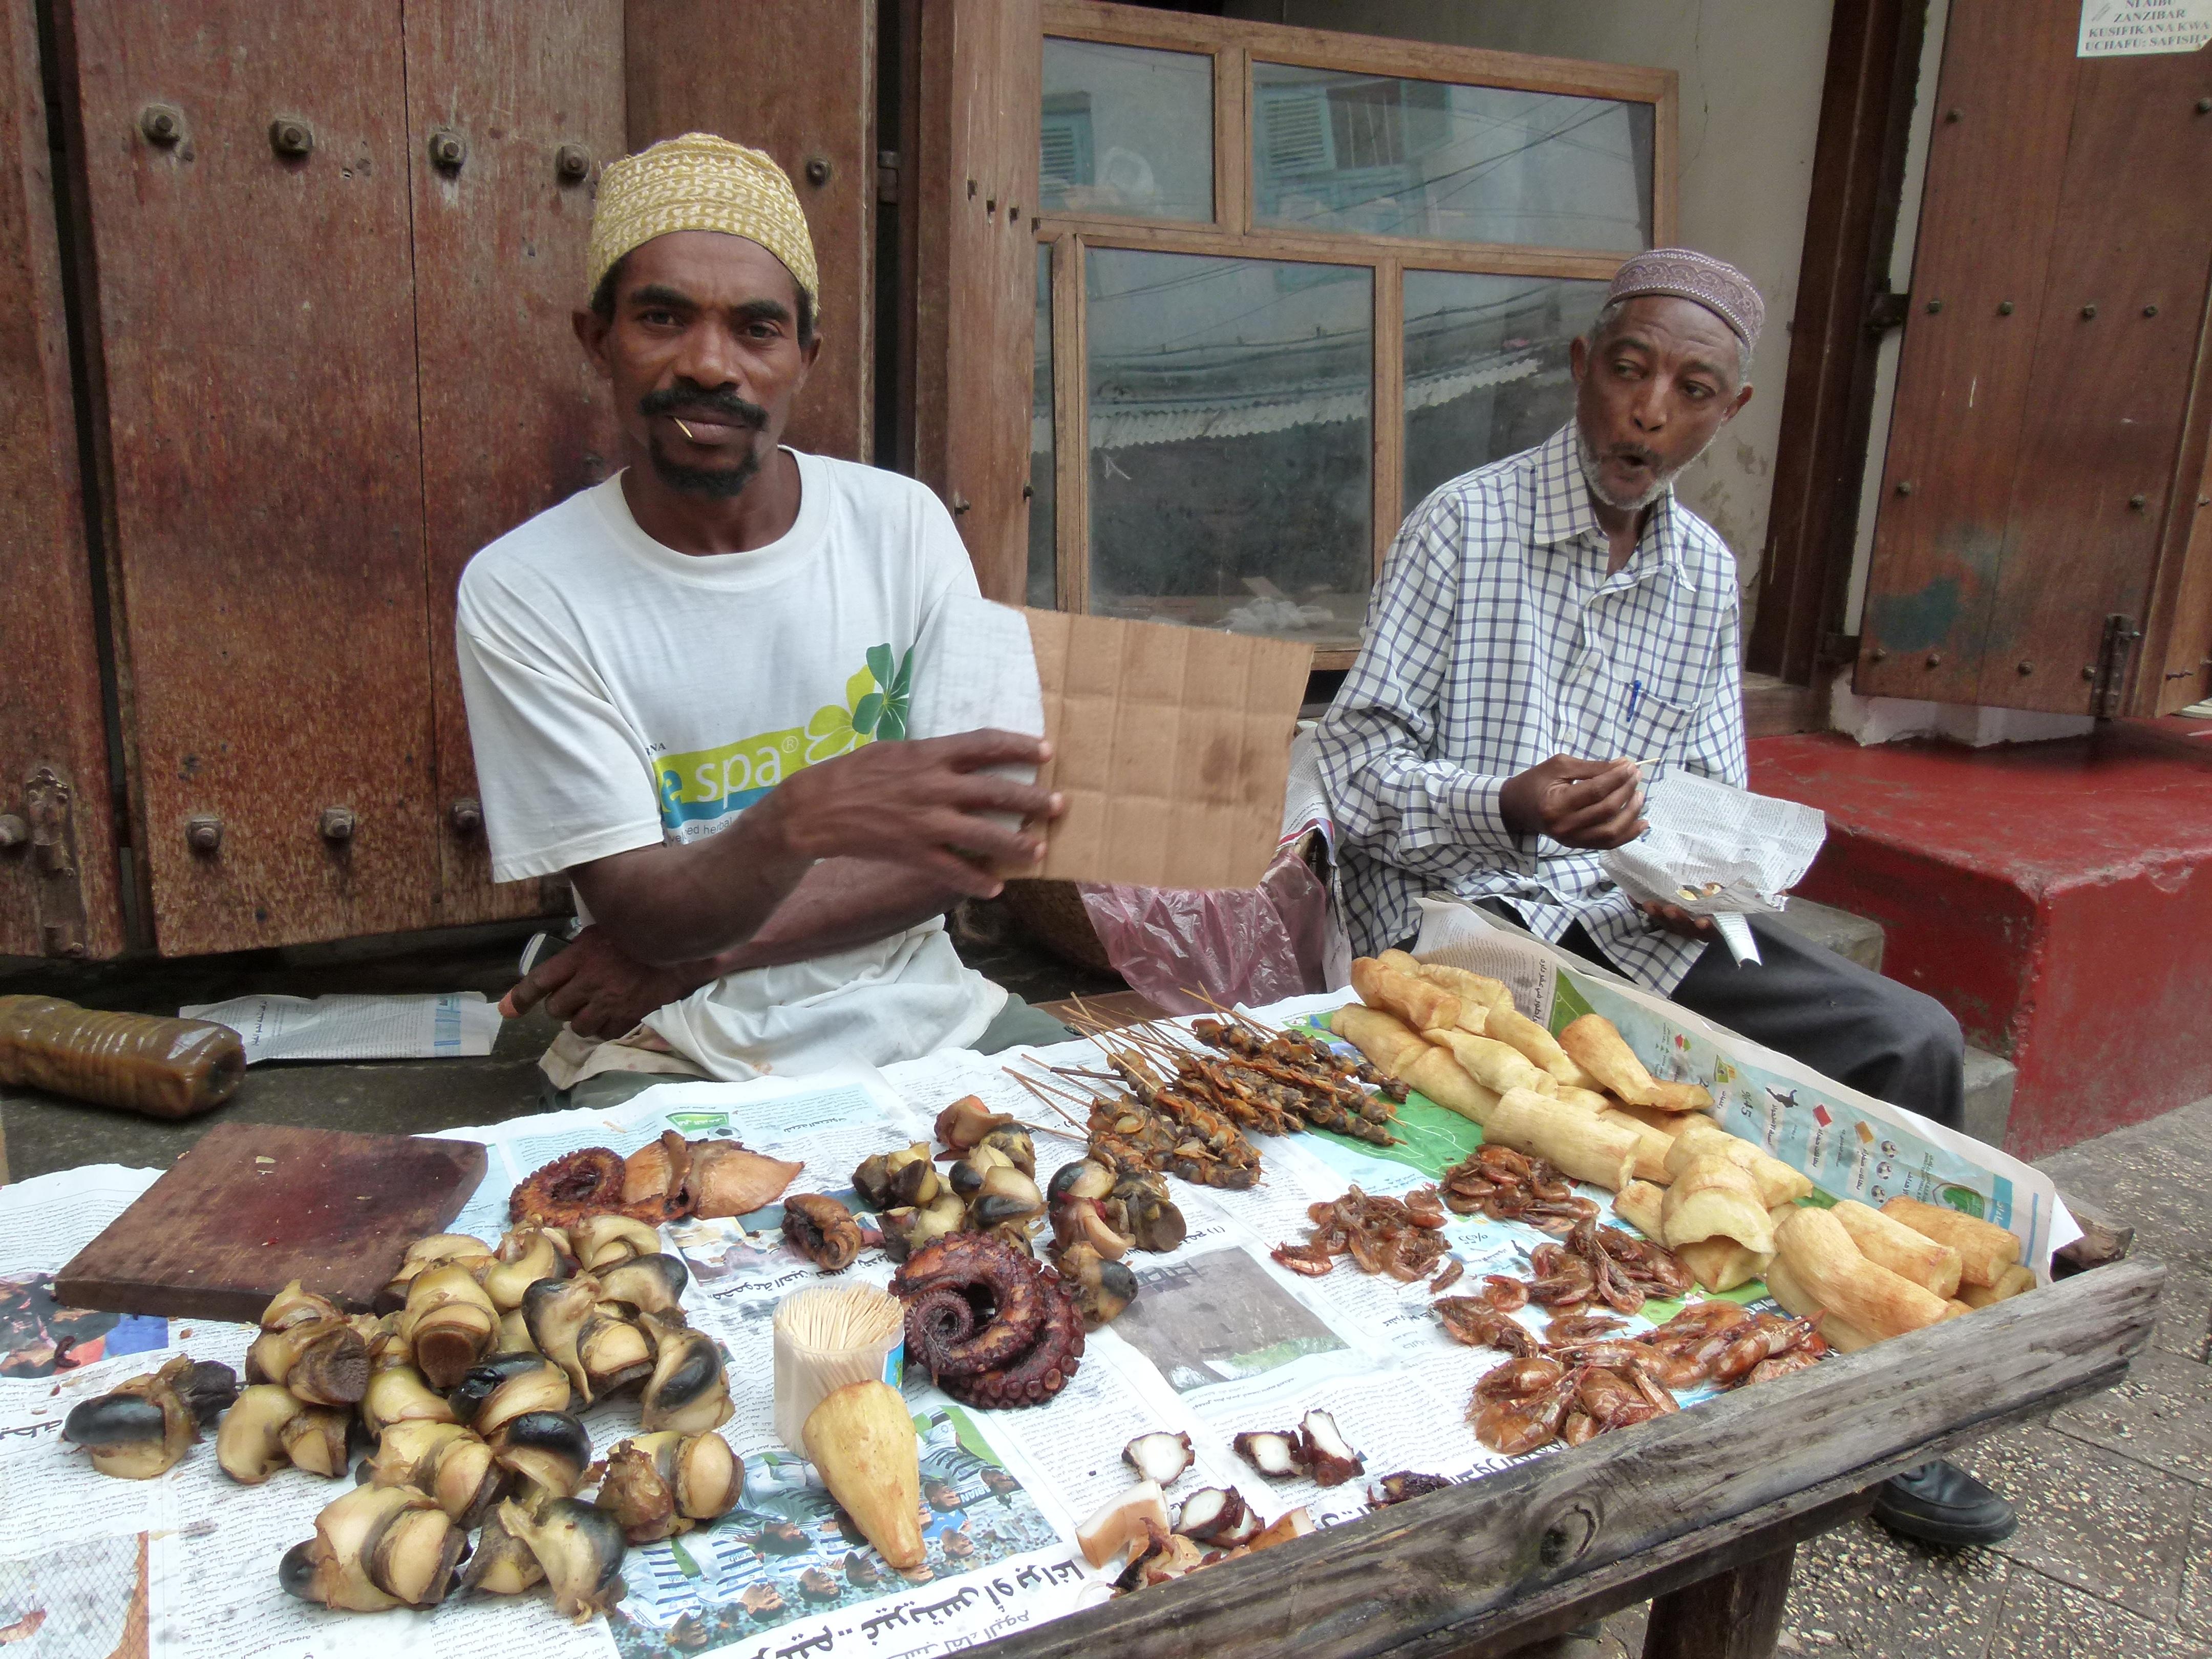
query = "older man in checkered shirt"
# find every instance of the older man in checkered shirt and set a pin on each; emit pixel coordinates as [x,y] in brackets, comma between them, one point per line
[1547,628]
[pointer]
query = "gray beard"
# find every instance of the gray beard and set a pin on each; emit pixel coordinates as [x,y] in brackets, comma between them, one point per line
[1660,482]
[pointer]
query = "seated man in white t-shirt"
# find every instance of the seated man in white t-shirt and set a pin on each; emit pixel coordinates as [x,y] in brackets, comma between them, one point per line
[680,683]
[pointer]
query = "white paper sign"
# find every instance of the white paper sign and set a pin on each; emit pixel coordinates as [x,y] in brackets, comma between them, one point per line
[2132,28]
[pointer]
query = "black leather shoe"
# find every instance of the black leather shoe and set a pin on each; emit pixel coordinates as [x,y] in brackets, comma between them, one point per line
[1942,1503]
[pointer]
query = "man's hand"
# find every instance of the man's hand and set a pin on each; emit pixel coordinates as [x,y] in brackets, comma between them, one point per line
[1577,803]
[600,991]
[1678,921]
[924,804]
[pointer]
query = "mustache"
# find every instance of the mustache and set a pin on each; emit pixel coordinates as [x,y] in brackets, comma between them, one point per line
[685,397]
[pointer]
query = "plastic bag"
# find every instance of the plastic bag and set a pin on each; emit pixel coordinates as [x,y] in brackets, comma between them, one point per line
[1254,945]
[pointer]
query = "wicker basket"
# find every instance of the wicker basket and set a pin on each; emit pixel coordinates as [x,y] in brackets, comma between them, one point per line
[1052,913]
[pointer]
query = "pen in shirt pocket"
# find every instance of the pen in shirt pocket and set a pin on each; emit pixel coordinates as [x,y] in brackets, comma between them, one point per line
[1635,696]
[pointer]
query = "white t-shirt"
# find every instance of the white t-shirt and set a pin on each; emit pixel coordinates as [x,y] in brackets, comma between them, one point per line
[622,693]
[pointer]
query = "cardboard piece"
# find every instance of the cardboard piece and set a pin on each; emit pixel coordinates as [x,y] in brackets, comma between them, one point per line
[1171,744]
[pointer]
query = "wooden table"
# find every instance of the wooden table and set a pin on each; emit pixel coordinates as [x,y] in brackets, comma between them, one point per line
[1699,1512]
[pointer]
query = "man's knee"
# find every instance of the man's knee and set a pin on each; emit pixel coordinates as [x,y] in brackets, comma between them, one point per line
[1924,1029]
[1920,1058]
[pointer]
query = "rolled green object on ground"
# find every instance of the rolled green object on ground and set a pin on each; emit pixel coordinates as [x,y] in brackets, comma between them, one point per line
[141,1062]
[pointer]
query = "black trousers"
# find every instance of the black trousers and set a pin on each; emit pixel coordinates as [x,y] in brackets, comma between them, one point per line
[1826,1010]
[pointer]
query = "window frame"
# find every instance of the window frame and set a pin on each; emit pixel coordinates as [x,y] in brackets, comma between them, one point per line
[1234,46]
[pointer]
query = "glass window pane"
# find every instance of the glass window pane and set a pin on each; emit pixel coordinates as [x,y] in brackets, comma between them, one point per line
[1486,368]
[1375,155]
[1127,131]
[1231,413]
[1044,542]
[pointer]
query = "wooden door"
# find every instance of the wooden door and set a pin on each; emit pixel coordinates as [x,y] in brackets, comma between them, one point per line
[2037,467]
[246,176]
[524,106]
[58,881]
[796,78]
[974,193]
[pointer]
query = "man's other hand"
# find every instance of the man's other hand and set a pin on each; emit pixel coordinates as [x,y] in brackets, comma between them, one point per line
[928,803]
[1674,920]
[597,989]
[1577,803]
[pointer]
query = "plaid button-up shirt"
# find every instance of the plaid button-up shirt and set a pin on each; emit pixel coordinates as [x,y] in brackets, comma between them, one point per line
[1496,640]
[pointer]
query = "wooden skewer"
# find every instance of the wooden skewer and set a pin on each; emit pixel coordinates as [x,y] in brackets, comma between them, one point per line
[1036,1089]
[1243,1019]
[1039,1087]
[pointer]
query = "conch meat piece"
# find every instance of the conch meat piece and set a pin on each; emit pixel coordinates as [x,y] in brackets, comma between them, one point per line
[143,1427]
[1120,1522]
[967,1121]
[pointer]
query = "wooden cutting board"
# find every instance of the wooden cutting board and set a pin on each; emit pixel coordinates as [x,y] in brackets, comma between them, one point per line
[252,1206]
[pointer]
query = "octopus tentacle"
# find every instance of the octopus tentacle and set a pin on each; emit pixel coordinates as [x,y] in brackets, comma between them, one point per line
[943,1329]
[1038,1374]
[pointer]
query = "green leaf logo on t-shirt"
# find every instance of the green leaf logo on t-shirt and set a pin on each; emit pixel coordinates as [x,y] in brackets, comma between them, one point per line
[875,707]
[882,714]
[705,786]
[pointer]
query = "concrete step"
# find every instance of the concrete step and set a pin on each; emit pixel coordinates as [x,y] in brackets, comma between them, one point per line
[1847,935]
[1990,1079]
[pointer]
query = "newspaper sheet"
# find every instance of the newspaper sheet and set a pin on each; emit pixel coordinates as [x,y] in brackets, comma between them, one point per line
[1220,1339]
[439,1026]
[1713,850]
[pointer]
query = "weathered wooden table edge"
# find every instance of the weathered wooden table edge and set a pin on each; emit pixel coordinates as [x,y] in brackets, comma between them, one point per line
[1701,1509]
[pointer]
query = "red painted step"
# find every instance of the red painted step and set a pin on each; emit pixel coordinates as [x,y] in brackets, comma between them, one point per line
[2055,897]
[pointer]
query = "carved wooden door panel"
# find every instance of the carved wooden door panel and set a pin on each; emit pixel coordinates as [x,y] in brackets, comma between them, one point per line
[246,181]
[2043,469]
[511,113]
[333,253]
[58,881]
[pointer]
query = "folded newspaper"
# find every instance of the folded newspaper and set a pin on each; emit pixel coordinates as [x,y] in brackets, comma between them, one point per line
[448,1026]
[1714,850]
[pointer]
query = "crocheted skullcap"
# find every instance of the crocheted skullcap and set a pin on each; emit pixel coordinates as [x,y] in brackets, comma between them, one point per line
[699,182]
[1689,275]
